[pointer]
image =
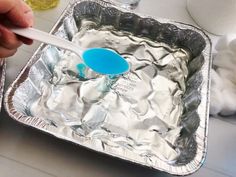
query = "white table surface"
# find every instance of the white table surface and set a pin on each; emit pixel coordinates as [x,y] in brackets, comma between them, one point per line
[25,152]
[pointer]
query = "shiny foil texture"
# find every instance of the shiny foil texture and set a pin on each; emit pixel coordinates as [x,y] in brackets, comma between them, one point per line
[2,78]
[156,115]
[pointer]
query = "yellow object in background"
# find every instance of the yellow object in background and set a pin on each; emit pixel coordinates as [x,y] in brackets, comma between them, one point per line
[42,4]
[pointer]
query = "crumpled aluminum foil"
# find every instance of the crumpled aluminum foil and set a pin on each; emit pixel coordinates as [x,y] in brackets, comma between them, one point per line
[2,79]
[156,115]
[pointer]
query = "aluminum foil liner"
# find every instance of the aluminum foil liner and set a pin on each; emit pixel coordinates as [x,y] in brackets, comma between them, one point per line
[2,79]
[156,115]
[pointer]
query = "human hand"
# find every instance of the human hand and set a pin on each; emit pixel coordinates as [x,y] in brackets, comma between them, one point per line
[17,13]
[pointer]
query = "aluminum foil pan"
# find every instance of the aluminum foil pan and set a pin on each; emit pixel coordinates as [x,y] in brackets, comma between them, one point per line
[156,115]
[2,79]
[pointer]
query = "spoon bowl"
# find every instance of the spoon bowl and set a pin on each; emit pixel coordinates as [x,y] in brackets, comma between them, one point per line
[100,60]
[105,61]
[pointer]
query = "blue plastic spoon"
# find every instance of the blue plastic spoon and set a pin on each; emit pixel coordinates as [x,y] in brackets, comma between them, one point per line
[100,60]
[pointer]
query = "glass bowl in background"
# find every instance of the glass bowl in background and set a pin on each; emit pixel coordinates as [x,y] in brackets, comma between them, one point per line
[42,4]
[128,4]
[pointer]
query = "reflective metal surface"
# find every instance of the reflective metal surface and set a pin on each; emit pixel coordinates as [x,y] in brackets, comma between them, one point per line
[156,115]
[2,78]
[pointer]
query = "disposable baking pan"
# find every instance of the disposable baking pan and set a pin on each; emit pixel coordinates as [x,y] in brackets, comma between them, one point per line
[156,115]
[2,79]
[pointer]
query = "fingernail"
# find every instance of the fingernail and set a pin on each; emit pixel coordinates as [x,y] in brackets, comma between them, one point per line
[29,18]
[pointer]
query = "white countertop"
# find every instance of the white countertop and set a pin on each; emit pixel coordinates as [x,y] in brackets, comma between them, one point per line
[25,152]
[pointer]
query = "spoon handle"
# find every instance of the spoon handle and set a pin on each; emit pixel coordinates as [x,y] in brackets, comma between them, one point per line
[47,38]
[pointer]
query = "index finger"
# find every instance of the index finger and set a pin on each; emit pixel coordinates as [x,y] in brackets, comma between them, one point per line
[17,11]
[6,5]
